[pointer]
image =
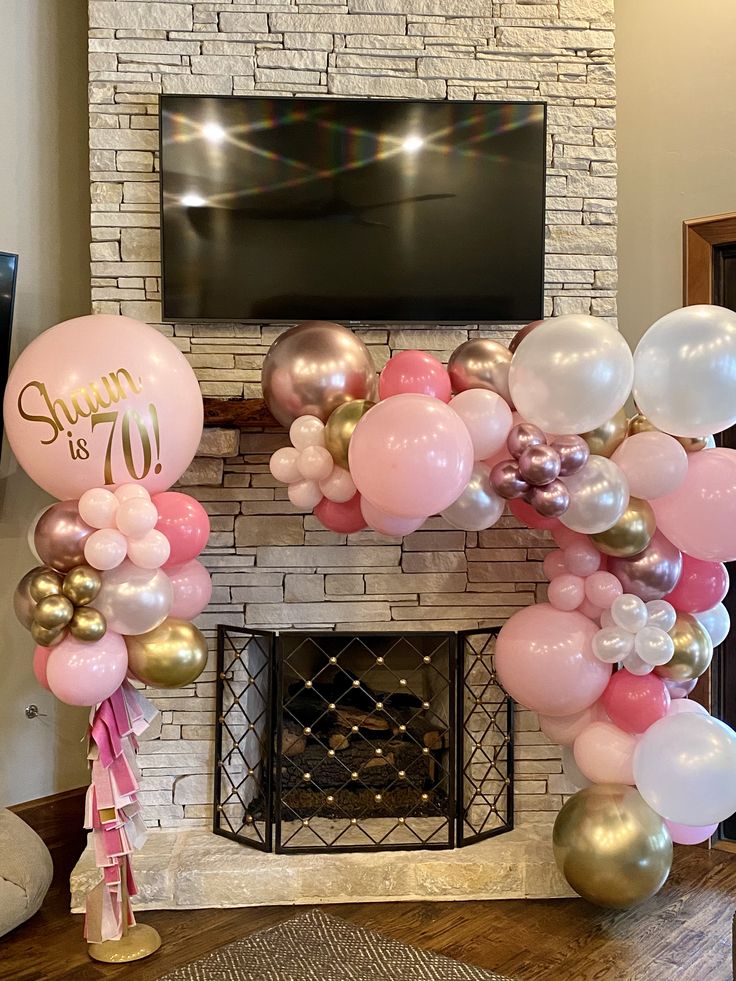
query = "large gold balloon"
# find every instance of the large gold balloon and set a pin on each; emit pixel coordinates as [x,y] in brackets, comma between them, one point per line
[693,650]
[82,584]
[640,424]
[53,612]
[605,439]
[339,428]
[611,846]
[88,624]
[632,532]
[44,582]
[169,656]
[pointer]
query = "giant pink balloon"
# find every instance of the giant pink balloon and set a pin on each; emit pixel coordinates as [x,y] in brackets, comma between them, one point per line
[41,657]
[102,400]
[698,518]
[544,659]
[80,673]
[605,754]
[701,586]
[655,464]
[411,455]
[191,586]
[184,522]
[415,371]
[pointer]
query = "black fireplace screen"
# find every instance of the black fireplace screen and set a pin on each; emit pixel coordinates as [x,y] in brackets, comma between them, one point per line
[334,741]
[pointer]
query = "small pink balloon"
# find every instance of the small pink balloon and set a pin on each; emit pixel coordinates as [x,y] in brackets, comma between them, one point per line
[590,610]
[80,673]
[566,536]
[151,551]
[582,558]
[127,491]
[414,372]
[680,689]
[41,657]
[284,465]
[655,464]
[185,524]
[565,729]
[307,431]
[136,517]
[554,564]
[191,585]
[305,494]
[685,834]
[105,549]
[487,418]
[701,586]
[602,588]
[635,702]
[345,518]
[679,705]
[338,487]
[97,507]
[605,754]
[315,463]
[566,592]
[531,518]
[388,524]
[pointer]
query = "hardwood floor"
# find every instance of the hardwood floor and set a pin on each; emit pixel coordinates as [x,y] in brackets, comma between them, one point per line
[684,933]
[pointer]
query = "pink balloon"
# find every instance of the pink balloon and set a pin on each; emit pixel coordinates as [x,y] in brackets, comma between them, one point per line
[284,465]
[544,659]
[151,551]
[605,754]
[80,673]
[582,558]
[566,536]
[701,586]
[655,464]
[98,507]
[41,657]
[388,524]
[685,834]
[602,588]
[487,417]
[185,524]
[126,492]
[338,487]
[566,592]
[564,729]
[414,372]
[411,454]
[105,549]
[136,517]
[635,702]
[102,400]
[590,610]
[191,585]
[526,513]
[698,517]
[343,517]
[554,564]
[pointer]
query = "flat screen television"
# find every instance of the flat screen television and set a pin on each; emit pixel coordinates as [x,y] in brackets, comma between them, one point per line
[356,211]
[8,275]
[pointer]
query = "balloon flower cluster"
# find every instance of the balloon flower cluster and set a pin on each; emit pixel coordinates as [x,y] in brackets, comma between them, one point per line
[642,510]
[105,413]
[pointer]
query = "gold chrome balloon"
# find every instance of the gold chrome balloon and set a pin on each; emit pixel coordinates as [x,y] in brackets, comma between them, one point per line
[53,612]
[693,650]
[339,428]
[169,656]
[88,624]
[631,534]
[47,638]
[82,584]
[640,424]
[44,582]
[23,602]
[611,846]
[606,438]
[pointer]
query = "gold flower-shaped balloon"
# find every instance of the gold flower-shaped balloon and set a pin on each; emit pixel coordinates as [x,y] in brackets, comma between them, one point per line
[50,604]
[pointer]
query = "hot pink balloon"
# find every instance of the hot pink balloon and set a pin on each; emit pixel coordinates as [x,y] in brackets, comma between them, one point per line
[487,418]
[605,754]
[698,517]
[388,524]
[701,586]
[564,729]
[41,657]
[184,522]
[686,834]
[191,585]
[655,464]
[414,372]
[566,592]
[342,517]
[544,659]
[102,400]
[554,564]
[635,702]
[531,518]
[80,673]
[411,454]
[602,588]
[582,558]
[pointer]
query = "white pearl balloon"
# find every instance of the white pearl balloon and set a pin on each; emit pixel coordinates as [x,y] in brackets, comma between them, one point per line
[654,646]
[716,622]
[629,612]
[661,614]
[612,644]
[599,494]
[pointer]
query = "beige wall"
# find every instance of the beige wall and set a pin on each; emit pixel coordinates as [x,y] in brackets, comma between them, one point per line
[676,72]
[44,216]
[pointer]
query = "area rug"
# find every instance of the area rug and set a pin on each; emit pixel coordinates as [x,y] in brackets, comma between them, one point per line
[317,947]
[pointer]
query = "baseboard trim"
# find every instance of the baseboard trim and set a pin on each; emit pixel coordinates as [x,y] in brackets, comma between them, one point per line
[57,819]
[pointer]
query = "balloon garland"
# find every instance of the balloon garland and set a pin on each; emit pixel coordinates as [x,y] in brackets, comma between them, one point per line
[642,511]
[105,413]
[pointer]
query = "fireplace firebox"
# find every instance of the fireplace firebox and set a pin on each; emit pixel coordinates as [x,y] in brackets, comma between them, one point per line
[331,741]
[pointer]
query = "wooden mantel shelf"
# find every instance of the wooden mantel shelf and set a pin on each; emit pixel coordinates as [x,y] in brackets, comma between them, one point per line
[239,414]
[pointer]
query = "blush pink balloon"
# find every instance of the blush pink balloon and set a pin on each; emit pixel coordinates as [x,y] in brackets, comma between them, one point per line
[151,551]
[701,586]
[185,524]
[74,374]
[191,585]
[602,588]
[344,517]
[105,549]
[582,558]
[388,524]
[487,418]
[284,465]
[41,657]
[590,610]
[565,729]
[414,372]
[98,507]
[411,454]
[136,517]
[566,592]
[605,754]
[698,517]
[686,834]
[80,673]
[566,536]
[554,564]
[655,464]
[635,702]
[544,660]
[531,518]
[338,487]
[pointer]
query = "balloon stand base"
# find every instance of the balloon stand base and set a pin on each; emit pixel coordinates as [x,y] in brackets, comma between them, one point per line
[140,941]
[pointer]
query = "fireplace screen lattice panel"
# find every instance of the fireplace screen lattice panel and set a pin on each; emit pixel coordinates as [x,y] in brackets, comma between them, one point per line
[344,742]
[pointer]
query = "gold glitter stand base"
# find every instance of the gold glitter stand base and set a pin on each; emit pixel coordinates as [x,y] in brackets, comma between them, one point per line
[138,942]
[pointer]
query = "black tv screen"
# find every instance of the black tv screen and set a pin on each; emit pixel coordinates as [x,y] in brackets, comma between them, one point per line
[355,211]
[8,273]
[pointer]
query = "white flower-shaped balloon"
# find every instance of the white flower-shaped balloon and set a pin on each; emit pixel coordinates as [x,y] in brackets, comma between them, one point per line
[635,634]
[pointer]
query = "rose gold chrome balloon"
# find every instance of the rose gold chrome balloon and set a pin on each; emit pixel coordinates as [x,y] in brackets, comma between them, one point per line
[652,573]
[60,536]
[481,363]
[521,334]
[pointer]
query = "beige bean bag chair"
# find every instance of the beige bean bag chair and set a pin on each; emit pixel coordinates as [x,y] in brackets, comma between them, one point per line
[25,871]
